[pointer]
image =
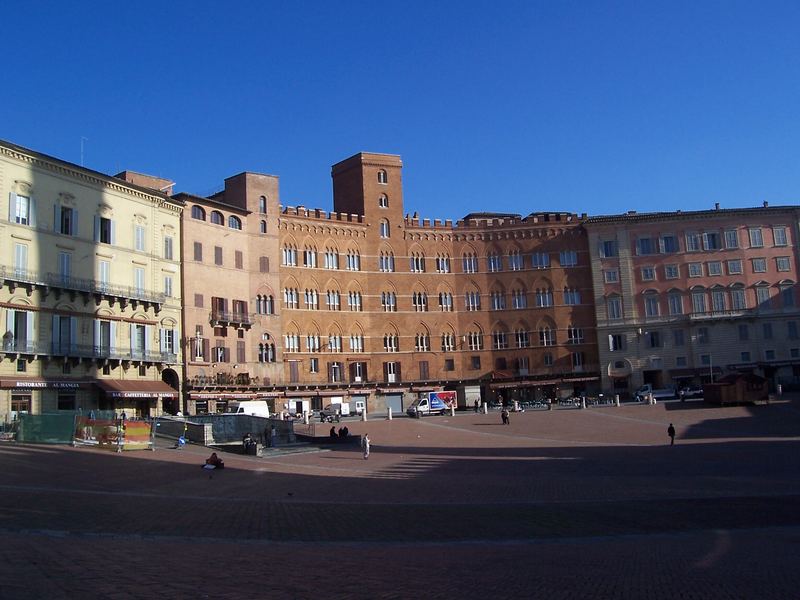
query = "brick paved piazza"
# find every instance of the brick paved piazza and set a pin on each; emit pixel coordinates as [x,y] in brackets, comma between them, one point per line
[561,504]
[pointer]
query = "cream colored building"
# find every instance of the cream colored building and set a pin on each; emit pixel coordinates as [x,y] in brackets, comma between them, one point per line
[90,298]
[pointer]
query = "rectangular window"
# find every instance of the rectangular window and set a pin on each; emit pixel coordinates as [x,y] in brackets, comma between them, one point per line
[744,333]
[669,244]
[759,265]
[654,339]
[779,236]
[217,255]
[734,267]
[677,337]
[744,356]
[731,238]
[766,330]
[675,304]
[66,220]
[611,276]
[763,297]
[138,279]
[608,249]
[568,258]
[540,260]
[198,252]
[644,246]
[703,336]
[756,239]
[718,300]
[64,266]
[692,242]
[711,241]
[475,362]
[20,210]
[738,299]
[705,360]
[698,302]
[714,268]
[651,305]
[168,286]
[198,300]
[648,273]
[138,237]
[616,342]
[769,354]
[104,230]
[168,243]
[671,271]
[791,330]
[263,264]
[238,259]
[680,361]
[103,272]
[614,308]
[695,269]
[782,263]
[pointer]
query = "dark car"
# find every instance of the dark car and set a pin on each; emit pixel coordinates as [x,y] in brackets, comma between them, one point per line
[691,391]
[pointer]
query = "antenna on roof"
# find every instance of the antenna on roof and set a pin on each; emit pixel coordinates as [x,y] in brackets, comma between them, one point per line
[83,139]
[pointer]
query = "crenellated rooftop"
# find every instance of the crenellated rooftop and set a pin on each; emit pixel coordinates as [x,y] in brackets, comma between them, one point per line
[320,214]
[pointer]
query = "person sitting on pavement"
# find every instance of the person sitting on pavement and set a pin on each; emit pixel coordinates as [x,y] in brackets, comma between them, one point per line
[214,462]
[344,432]
[333,433]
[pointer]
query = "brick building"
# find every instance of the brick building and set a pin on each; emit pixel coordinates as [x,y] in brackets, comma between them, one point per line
[684,296]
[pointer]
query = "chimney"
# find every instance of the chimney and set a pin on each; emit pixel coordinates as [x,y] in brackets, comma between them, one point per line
[766,204]
[716,205]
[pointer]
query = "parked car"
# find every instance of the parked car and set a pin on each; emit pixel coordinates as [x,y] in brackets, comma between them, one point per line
[691,391]
[658,393]
[333,412]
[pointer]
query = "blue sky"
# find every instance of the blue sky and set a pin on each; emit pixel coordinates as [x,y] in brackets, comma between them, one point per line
[597,107]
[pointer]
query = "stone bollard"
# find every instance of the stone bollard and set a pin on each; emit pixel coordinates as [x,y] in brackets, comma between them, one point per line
[779,389]
[616,399]
[651,399]
[305,417]
[583,402]
[452,411]
[485,408]
[364,414]
[389,413]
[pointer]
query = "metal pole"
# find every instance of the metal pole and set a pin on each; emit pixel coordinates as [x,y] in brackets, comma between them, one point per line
[711,367]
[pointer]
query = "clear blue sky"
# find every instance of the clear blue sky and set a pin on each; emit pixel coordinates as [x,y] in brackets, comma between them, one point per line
[597,107]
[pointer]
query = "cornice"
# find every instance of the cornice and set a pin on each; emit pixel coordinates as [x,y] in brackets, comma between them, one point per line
[87,176]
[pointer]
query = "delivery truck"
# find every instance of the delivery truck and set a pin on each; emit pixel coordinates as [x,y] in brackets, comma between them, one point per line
[433,403]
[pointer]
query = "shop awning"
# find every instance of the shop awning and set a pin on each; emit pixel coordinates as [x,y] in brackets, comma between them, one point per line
[136,389]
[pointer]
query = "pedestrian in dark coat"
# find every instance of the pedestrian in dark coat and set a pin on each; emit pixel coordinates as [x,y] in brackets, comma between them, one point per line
[504,415]
[671,434]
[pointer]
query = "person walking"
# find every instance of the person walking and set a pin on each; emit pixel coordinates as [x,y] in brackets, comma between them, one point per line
[365,441]
[476,406]
[504,415]
[671,434]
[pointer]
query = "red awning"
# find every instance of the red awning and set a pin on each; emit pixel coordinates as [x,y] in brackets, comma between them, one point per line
[136,389]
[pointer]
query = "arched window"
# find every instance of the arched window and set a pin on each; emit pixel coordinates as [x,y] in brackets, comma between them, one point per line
[263,227]
[234,222]
[383,177]
[216,217]
[384,232]
[383,201]
[198,213]
[262,205]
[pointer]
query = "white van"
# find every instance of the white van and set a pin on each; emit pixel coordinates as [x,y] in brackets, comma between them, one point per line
[658,393]
[256,408]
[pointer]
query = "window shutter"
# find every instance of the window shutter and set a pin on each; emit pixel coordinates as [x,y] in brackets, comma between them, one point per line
[661,245]
[12,204]
[96,336]
[55,334]
[113,336]
[206,350]
[74,222]
[32,211]
[398,372]
[386,372]
[57,218]
[133,336]
[97,228]
[148,332]
[73,334]
[30,332]
[113,233]
[161,341]
[10,320]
